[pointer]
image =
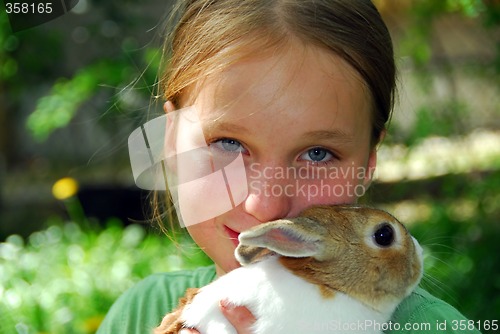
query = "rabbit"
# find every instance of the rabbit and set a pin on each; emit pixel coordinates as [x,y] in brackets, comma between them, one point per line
[340,268]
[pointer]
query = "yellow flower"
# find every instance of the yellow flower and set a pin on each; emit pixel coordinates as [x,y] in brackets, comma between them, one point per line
[65,188]
[92,324]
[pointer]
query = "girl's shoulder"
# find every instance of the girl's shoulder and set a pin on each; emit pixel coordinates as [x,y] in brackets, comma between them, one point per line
[422,312]
[142,307]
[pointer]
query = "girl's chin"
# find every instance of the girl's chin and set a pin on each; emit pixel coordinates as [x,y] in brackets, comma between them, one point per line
[227,268]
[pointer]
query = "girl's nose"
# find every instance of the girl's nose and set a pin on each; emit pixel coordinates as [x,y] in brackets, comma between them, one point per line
[269,199]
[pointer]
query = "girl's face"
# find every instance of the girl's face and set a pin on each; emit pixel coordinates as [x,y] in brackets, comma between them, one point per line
[301,120]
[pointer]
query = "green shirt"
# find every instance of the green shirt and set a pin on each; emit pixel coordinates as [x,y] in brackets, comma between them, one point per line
[142,307]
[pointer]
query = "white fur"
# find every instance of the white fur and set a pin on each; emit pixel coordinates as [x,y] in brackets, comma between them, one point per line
[281,303]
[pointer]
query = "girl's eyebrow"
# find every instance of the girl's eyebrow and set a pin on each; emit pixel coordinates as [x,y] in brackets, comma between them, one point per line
[222,126]
[331,135]
[336,135]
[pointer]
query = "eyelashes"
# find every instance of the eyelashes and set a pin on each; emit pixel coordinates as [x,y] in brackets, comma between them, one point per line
[228,145]
[316,155]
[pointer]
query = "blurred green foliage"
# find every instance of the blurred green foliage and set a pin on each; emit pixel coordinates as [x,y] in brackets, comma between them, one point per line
[57,109]
[8,43]
[460,232]
[116,66]
[450,113]
[423,12]
[443,119]
[60,106]
[64,279]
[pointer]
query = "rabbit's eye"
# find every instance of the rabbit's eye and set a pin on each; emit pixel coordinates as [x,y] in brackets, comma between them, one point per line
[384,235]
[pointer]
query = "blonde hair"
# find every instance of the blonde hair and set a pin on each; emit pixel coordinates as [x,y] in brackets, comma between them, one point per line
[210,35]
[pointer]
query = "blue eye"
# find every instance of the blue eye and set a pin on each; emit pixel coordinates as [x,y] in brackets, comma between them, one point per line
[228,145]
[317,154]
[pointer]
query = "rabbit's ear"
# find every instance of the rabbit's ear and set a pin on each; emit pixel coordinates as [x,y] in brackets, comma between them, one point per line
[294,238]
[250,254]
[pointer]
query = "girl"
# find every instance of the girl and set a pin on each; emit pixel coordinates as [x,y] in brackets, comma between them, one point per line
[302,90]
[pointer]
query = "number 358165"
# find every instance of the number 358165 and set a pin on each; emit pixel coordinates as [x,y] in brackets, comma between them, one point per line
[28,8]
[485,325]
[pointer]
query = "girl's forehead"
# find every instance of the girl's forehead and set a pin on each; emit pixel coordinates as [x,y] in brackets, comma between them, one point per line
[292,59]
[267,79]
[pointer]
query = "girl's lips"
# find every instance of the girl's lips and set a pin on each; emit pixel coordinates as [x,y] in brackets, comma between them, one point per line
[233,235]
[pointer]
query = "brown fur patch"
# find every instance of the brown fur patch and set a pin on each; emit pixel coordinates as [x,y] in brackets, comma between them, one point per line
[302,268]
[326,292]
[171,323]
